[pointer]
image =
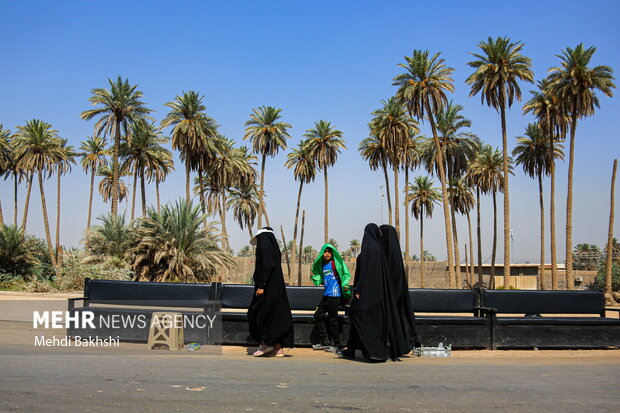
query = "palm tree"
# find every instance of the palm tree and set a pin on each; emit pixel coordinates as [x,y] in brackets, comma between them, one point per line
[144,156]
[112,239]
[463,202]
[533,153]
[497,73]
[105,185]
[39,148]
[160,174]
[553,122]
[62,167]
[486,172]
[423,198]
[193,132]
[304,171]
[610,232]
[12,169]
[423,88]
[372,150]
[410,160]
[119,106]
[244,202]
[575,83]
[268,135]
[324,144]
[354,244]
[394,128]
[172,246]
[457,148]
[93,153]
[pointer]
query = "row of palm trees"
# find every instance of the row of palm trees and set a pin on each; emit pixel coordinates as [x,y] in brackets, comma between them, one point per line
[226,175]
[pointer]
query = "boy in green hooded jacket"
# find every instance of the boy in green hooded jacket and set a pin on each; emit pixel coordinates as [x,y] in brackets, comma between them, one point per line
[330,270]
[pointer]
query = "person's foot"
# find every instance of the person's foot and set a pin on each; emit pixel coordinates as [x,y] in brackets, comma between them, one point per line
[332,349]
[279,352]
[347,354]
[320,346]
[263,350]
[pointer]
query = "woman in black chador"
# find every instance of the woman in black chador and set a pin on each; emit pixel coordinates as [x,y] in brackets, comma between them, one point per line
[373,313]
[405,335]
[269,314]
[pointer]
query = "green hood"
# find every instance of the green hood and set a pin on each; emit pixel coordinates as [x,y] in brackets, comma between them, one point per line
[341,267]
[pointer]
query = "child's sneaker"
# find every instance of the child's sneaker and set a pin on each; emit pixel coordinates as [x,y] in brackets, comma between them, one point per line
[319,346]
[263,350]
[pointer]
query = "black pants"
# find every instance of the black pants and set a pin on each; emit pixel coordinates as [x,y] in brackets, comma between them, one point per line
[327,310]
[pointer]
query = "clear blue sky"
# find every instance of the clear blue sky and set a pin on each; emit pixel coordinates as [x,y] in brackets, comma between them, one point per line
[315,60]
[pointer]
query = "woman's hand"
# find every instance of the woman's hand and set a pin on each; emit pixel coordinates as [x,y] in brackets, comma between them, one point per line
[259,291]
[357,295]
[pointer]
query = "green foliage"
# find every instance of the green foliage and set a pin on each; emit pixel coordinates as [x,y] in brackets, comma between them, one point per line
[23,256]
[111,239]
[71,276]
[246,251]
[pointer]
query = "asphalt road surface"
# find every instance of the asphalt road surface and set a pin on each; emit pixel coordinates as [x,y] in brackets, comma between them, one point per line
[305,382]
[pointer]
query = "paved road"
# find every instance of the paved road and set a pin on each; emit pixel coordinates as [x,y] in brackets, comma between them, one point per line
[236,382]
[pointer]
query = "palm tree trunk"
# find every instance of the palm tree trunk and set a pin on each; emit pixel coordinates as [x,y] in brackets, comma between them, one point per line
[157,194]
[542,234]
[396,202]
[260,193]
[90,198]
[554,255]
[28,191]
[1,215]
[407,256]
[133,194]
[422,283]
[203,203]
[57,249]
[287,255]
[457,257]
[225,244]
[570,276]
[506,204]
[478,236]
[494,251]
[188,197]
[115,168]
[471,252]
[294,250]
[444,196]
[610,233]
[48,236]
[15,201]
[301,246]
[387,190]
[326,222]
[142,192]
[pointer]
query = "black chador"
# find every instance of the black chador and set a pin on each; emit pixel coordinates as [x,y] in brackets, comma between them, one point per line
[269,314]
[403,335]
[372,312]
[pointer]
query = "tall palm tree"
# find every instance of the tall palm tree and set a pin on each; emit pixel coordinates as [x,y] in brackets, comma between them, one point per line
[496,75]
[575,84]
[457,148]
[94,155]
[267,135]
[423,88]
[13,170]
[193,132]
[39,147]
[160,174]
[610,231]
[244,202]
[66,157]
[324,144]
[354,244]
[394,128]
[486,171]
[410,160]
[304,171]
[553,122]
[423,198]
[118,108]
[533,153]
[143,156]
[372,150]
[105,185]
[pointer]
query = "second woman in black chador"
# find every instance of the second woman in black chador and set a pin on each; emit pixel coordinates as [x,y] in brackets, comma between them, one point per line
[399,287]
[269,314]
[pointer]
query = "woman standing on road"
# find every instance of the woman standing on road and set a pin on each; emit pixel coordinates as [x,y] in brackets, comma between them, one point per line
[269,314]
